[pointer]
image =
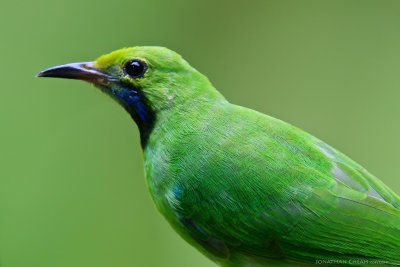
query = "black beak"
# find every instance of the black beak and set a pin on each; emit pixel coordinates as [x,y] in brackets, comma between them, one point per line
[80,71]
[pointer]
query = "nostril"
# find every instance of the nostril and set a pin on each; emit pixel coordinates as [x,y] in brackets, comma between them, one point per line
[87,67]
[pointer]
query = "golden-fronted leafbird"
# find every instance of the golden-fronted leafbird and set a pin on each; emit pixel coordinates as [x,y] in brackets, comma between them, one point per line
[244,188]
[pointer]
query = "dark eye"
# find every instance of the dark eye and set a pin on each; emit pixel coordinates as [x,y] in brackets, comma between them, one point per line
[135,68]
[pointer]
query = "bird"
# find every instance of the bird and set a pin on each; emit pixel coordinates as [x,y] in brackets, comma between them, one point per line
[244,188]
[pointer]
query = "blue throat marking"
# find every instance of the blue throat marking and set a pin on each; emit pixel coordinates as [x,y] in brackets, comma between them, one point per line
[135,102]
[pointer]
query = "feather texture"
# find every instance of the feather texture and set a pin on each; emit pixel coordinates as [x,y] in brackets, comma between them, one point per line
[244,188]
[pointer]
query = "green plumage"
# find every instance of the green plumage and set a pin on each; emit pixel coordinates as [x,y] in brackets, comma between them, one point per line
[244,188]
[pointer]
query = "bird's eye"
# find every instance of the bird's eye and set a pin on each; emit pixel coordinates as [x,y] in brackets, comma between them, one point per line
[135,68]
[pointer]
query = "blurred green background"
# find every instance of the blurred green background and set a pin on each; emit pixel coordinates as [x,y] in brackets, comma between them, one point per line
[72,191]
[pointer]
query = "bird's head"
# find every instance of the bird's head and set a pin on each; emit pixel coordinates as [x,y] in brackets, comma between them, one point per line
[144,80]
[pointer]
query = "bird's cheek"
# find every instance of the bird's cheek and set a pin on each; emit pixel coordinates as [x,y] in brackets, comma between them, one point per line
[125,95]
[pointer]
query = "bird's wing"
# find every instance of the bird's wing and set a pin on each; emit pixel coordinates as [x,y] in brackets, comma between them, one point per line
[356,219]
[258,186]
[370,190]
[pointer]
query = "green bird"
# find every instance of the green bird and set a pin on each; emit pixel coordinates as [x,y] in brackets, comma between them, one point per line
[244,188]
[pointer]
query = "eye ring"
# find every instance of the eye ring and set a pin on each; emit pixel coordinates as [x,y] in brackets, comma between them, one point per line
[135,68]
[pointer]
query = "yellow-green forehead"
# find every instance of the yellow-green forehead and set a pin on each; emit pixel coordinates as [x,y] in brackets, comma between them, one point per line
[116,57]
[154,55]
